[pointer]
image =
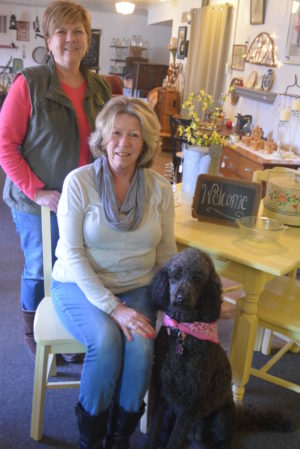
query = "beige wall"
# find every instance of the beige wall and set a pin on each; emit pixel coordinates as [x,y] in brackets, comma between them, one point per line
[277,17]
[158,34]
[112,25]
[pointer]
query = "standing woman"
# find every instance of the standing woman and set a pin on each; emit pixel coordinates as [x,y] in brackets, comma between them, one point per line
[45,122]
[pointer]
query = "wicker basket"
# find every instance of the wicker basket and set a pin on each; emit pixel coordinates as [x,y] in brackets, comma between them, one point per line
[135,51]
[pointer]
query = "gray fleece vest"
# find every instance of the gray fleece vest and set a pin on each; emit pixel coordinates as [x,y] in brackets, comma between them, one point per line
[52,143]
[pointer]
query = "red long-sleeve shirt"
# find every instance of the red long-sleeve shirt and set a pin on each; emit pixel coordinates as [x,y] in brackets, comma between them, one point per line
[14,117]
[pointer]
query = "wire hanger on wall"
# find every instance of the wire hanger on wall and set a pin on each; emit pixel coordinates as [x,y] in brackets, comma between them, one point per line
[295,84]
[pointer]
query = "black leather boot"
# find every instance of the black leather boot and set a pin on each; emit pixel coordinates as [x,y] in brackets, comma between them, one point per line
[122,426]
[92,428]
[28,319]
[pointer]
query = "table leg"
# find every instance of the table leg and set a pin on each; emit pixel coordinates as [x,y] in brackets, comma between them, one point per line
[244,332]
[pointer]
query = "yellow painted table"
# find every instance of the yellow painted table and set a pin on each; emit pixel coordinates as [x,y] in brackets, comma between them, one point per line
[252,264]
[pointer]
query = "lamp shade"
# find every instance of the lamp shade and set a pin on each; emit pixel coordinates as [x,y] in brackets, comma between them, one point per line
[125,7]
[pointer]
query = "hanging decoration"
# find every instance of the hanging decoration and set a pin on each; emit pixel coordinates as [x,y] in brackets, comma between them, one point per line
[262,51]
[173,69]
[12,22]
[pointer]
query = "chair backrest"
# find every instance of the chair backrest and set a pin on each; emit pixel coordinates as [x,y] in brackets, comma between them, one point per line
[47,250]
[152,98]
[176,139]
[263,175]
[115,83]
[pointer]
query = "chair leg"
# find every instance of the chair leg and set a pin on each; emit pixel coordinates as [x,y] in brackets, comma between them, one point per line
[39,389]
[145,417]
[267,342]
[51,366]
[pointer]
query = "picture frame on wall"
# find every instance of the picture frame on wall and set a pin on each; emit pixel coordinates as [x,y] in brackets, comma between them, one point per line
[257,12]
[292,51]
[17,65]
[238,57]
[182,31]
[91,59]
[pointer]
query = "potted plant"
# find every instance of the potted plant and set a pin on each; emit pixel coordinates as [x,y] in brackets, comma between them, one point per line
[203,130]
[205,142]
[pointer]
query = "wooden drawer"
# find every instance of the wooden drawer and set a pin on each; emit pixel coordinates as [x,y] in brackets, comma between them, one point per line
[229,162]
[246,168]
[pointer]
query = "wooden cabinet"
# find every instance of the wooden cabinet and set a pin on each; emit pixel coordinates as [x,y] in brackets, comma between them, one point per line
[146,77]
[167,103]
[240,163]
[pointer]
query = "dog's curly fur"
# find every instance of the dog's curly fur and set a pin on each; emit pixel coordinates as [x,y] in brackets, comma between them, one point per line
[194,387]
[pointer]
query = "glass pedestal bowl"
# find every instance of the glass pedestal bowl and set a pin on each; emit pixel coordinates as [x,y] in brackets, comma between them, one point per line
[260,229]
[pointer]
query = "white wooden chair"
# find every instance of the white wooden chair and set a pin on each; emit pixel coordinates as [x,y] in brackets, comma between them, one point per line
[264,339]
[51,339]
[279,311]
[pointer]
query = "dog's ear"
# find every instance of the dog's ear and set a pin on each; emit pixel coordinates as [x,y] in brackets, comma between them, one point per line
[159,290]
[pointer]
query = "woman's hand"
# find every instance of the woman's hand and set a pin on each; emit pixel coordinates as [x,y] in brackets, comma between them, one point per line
[48,198]
[132,322]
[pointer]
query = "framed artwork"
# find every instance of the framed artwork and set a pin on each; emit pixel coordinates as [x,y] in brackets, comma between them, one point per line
[257,12]
[17,64]
[180,41]
[292,51]
[23,32]
[238,57]
[91,59]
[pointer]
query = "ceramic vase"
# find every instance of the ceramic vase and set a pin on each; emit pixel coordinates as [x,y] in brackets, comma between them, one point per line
[197,161]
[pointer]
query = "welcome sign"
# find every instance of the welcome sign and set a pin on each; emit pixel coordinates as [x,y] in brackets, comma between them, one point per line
[224,200]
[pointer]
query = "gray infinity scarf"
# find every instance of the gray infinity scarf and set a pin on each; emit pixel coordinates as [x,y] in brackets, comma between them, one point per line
[128,215]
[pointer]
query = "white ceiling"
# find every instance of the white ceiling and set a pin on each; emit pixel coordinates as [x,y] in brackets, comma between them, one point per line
[95,5]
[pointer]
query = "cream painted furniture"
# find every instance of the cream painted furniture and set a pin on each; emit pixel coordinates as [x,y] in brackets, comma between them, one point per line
[51,339]
[251,264]
[279,311]
[262,176]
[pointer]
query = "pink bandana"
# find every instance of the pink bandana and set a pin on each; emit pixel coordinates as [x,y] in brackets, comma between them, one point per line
[202,331]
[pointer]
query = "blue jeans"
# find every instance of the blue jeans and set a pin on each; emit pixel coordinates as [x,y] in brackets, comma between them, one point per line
[29,228]
[114,368]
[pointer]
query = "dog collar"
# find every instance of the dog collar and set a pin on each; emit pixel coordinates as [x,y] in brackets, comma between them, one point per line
[198,329]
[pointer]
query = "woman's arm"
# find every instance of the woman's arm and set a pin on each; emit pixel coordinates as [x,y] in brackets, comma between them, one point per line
[167,245]
[71,247]
[14,117]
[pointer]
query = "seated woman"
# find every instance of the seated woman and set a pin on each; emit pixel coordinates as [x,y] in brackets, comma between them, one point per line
[115,221]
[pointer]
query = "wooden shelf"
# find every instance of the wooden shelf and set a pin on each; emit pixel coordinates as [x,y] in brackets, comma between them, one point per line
[11,46]
[257,95]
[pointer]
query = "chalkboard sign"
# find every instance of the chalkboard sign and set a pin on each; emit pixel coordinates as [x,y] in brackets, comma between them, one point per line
[223,200]
[91,59]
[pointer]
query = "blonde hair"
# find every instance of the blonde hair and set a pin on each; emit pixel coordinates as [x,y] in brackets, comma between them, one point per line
[149,123]
[62,12]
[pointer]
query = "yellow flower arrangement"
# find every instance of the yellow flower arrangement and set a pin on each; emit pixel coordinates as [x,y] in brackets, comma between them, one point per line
[203,130]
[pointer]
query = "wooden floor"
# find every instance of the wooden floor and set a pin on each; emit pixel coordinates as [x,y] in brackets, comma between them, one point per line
[162,159]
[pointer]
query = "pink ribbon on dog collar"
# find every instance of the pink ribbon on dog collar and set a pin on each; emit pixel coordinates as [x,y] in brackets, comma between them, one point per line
[198,329]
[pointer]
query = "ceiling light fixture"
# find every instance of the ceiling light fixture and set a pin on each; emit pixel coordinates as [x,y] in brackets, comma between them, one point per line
[125,7]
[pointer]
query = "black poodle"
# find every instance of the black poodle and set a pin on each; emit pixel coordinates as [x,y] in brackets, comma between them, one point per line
[191,385]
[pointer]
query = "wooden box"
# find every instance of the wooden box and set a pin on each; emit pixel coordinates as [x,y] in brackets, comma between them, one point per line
[167,103]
